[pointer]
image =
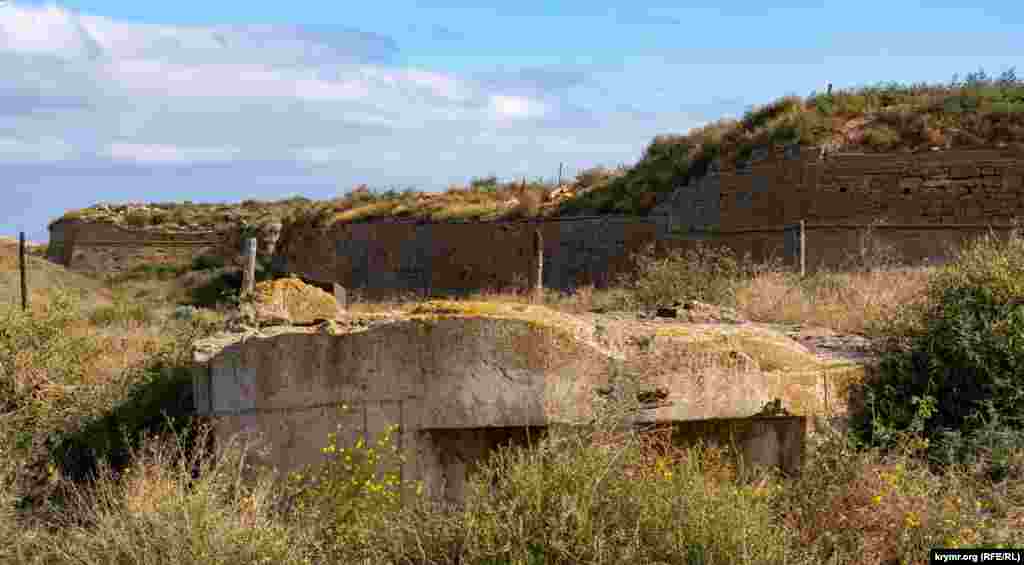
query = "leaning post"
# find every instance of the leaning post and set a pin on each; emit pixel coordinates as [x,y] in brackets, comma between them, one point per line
[803,248]
[23,271]
[249,274]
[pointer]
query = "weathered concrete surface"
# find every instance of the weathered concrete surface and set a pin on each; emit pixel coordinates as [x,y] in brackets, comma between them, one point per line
[290,300]
[445,369]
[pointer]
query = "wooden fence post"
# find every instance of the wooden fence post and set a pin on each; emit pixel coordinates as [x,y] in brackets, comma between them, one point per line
[249,274]
[538,254]
[803,248]
[23,268]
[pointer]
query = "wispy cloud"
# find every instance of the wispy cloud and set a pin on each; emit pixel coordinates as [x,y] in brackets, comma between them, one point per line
[106,104]
[38,150]
[162,93]
[142,153]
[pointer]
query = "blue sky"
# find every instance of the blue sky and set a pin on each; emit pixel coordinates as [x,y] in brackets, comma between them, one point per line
[113,101]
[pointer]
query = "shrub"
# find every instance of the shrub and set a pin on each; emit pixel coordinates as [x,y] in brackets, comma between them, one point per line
[207,262]
[529,203]
[881,137]
[36,352]
[121,312]
[956,366]
[177,504]
[824,104]
[137,218]
[706,272]
[866,506]
[785,133]
[591,177]
[219,286]
[150,399]
[579,497]
[348,497]
[759,117]
[486,184]
[223,288]
[44,369]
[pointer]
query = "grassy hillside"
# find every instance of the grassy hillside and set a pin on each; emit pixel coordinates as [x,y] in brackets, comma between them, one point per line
[979,111]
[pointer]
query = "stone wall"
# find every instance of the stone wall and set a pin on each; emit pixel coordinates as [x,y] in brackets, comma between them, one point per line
[456,258]
[930,203]
[109,248]
[793,184]
[832,245]
[933,201]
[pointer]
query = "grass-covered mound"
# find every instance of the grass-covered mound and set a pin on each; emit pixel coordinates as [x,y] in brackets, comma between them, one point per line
[979,111]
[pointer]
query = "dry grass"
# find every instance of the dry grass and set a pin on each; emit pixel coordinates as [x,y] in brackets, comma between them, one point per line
[851,303]
[44,278]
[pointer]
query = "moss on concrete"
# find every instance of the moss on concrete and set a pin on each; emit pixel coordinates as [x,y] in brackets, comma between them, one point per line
[772,351]
[302,302]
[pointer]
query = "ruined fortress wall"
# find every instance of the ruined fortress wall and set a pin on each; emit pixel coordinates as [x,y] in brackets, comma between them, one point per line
[832,245]
[932,201]
[106,247]
[456,258]
[786,186]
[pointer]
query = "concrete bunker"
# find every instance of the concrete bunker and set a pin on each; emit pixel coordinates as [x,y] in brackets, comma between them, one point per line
[460,379]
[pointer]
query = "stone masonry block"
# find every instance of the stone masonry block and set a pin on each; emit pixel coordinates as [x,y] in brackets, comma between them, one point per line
[964,171]
[911,182]
[1013,182]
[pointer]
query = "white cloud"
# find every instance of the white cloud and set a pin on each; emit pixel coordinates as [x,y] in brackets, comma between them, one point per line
[48,30]
[514,107]
[156,153]
[43,150]
[229,80]
[317,155]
